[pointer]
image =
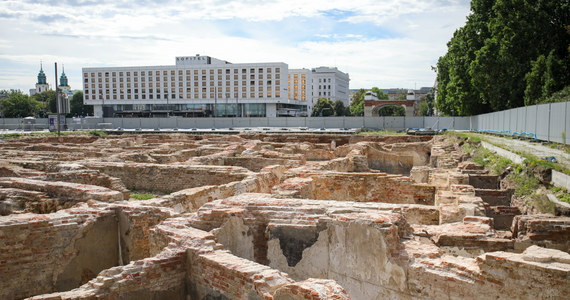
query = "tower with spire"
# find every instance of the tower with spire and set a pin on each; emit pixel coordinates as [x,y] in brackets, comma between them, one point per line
[63,85]
[41,84]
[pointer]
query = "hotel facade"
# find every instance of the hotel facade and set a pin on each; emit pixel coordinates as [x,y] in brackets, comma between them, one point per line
[200,86]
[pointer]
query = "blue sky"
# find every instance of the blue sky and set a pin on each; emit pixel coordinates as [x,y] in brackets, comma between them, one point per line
[384,43]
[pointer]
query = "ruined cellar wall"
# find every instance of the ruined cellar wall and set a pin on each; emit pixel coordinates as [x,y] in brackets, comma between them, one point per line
[221,275]
[236,237]
[361,187]
[538,273]
[90,177]
[255,164]
[135,224]
[542,230]
[363,258]
[170,178]
[159,277]
[189,200]
[73,192]
[41,253]
[394,163]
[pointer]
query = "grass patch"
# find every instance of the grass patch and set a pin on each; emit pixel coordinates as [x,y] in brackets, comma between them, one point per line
[142,196]
[98,133]
[521,176]
[561,193]
[366,131]
[486,158]
[532,161]
[525,183]
[465,135]
[541,202]
[18,135]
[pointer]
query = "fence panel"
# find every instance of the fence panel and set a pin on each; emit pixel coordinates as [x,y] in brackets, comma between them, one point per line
[354,122]
[557,126]
[542,114]
[242,122]
[567,122]
[414,122]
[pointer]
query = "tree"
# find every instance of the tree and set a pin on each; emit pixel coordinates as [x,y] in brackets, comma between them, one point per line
[48,99]
[323,108]
[379,93]
[338,108]
[18,105]
[357,104]
[392,111]
[427,104]
[487,65]
[77,106]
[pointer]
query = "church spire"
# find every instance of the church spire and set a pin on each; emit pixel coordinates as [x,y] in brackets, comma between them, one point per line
[41,75]
[63,77]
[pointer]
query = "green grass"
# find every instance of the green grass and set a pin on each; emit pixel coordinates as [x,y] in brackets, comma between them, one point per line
[366,131]
[143,196]
[525,183]
[532,161]
[18,135]
[541,202]
[486,158]
[520,176]
[99,133]
[561,193]
[465,135]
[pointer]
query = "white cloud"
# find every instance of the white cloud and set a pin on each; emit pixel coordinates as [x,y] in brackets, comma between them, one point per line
[299,32]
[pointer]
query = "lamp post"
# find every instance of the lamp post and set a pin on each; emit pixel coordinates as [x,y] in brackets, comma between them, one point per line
[57,102]
[215,104]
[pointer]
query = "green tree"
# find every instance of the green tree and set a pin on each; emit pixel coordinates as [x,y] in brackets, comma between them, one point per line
[427,104]
[77,106]
[323,108]
[338,108]
[487,65]
[379,93]
[357,104]
[392,111]
[48,99]
[535,81]
[18,105]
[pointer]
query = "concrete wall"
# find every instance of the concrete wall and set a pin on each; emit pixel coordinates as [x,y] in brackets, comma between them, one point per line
[517,159]
[560,180]
[394,123]
[550,122]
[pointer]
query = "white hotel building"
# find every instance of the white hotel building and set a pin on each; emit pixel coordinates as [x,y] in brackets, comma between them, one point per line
[200,86]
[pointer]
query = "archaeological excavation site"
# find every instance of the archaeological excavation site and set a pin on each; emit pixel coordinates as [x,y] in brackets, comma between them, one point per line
[267,216]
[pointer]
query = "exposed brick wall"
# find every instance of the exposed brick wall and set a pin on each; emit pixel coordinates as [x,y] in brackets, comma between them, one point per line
[361,187]
[35,249]
[169,178]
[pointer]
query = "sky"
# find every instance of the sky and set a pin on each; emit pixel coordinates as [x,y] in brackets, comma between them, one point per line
[383,43]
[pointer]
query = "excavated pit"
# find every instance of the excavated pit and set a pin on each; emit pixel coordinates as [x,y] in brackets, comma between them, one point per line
[259,216]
